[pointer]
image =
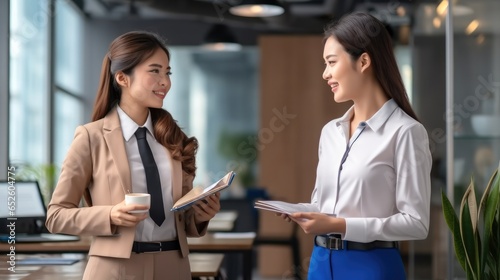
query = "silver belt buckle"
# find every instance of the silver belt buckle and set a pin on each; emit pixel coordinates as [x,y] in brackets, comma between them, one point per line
[334,243]
[152,252]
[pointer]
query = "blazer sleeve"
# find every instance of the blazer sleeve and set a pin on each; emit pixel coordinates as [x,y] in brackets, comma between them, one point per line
[64,214]
[192,229]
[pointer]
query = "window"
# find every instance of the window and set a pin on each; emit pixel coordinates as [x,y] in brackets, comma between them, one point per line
[68,103]
[68,47]
[68,112]
[29,49]
[38,135]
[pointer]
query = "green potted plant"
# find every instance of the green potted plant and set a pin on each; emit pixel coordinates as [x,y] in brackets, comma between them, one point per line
[240,148]
[45,174]
[476,230]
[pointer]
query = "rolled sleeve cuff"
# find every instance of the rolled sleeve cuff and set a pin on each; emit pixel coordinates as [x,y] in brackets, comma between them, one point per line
[355,230]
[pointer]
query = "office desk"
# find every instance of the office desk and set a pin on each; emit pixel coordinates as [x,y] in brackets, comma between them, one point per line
[223,221]
[205,265]
[206,244]
[80,246]
[202,265]
[230,243]
[42,272]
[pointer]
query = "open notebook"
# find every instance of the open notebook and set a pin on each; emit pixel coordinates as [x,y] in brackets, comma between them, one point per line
[24,221]
[199,193]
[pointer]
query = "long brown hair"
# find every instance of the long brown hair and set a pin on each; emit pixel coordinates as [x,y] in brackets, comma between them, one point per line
[359,33]
[126,52]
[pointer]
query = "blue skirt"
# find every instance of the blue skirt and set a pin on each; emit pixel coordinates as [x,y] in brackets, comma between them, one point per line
[376,264]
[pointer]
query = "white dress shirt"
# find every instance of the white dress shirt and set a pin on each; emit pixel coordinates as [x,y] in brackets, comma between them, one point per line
[147,230]
[382,189]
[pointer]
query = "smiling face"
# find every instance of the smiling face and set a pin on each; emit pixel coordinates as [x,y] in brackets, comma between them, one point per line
[147,85]
[341,72]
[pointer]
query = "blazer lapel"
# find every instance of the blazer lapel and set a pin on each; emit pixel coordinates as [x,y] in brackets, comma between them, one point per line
[116,144]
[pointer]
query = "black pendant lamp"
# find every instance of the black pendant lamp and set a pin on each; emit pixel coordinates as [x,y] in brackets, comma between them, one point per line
[220,38]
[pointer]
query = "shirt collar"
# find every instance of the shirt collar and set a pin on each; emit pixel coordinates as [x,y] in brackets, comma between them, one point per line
[382,115]
[343,122]
[346,118]
[376,121]
[129,127]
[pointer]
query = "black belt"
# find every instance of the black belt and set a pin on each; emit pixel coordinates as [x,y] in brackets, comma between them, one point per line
[336,243]
[145,247]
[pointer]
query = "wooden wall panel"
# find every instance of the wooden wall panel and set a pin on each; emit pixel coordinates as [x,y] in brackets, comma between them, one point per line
[295,103]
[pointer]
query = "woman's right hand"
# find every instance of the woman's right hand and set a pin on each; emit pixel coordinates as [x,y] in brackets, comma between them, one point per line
[121,217]
[284,216]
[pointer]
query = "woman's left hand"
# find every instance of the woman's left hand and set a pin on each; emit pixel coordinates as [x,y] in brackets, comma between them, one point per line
[318,223]
[207,208]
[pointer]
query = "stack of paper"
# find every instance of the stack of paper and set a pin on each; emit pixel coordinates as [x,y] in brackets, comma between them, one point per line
[234,235]
[283,207]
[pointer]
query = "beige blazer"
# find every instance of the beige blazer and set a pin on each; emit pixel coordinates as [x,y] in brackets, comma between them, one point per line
[96,168]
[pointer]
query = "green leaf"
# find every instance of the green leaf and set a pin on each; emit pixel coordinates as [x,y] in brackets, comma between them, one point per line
[468,225]
[490,267]
[469,274]
[489,204]
[495,245]
[452,221]
[477,242]
[495,240]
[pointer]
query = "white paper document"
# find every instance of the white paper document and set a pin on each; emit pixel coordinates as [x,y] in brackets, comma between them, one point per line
[234,235]
[284,207]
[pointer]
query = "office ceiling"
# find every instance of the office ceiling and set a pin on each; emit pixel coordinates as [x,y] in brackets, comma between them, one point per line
[301,16]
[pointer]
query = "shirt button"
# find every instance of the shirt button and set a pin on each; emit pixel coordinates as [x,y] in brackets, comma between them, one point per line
[180,218]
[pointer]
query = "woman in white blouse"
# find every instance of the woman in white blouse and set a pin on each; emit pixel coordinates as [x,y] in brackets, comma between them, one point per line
[373,176]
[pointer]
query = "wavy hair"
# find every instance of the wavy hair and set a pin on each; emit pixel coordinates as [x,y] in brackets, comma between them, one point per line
[124,54]
[362,33]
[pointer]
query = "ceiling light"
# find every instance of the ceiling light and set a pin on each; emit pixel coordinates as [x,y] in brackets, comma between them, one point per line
[220,38]
[401,11]
[257,8]
[480,39]
[436,22]
[471,27]
[458,9]
[442,8]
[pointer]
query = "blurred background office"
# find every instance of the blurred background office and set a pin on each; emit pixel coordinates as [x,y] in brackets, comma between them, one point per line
[249,87]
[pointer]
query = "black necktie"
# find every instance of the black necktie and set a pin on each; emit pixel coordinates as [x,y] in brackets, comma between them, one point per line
[156,211]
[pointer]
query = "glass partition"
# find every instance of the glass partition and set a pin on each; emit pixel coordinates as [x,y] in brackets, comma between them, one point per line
[476,98]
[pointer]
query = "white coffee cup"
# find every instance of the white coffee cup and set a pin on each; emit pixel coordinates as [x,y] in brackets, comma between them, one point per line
[138,198]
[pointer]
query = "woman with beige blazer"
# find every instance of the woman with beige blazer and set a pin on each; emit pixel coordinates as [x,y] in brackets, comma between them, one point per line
[105,162]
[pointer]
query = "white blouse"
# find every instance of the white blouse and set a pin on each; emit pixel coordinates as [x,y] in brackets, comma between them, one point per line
[379,180]
[147,230]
